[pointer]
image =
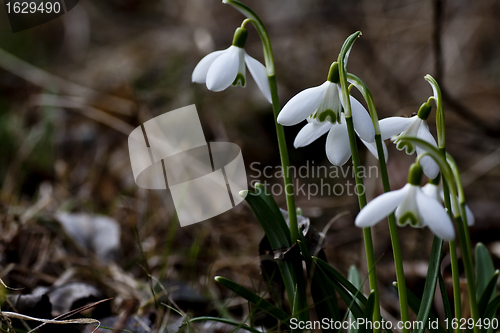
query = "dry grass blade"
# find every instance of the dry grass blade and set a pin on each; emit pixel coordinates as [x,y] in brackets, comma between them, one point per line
[42,78]
[6,320]
[88,111]
[51,321]
[7,287]
[75,311]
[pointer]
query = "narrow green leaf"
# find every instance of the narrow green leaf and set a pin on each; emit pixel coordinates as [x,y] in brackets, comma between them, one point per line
[254,299]
[336,276]
[269,199]
[323,294]
[488,293]
[271,222]
[354,277]
[484,270]
[430,284]
[325,298]
[368,312]
[346,296]
[295,304]
[414,304]
[302,309]
[446,301]
[339,282]
[491,311]
[492,307]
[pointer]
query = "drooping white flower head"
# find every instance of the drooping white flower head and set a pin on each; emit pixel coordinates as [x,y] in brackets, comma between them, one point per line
[432,189]
[412,207]
[415,126]
[321,106]
[220,69]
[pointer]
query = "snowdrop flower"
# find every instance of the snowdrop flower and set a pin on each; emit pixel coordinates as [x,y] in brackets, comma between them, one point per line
[321,106]
[412,207]
[432,189]
[415,126]
[220,69]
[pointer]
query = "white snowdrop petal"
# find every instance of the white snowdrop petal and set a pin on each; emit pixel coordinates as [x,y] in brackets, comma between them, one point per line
[224,69]
[310,133]
[372,147]
[200,71]
[393,126]
[435,217]
[259,74]
[425,134]
[339,90]
[429,166]
[302,105]
[330,102]
[362,121]
[432,191]
[407,212]
[468,212]
[380,207]
[338,149]
[470,216]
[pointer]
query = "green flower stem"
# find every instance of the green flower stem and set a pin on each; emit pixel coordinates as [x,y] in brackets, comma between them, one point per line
[461,198]
[457,301]
[469,272]
[370,256]
[300,310]
[396,247]
[465,245]
[261,30]
[393,229]
[461,226]
[456,281]
[290,199]
[367,234]
[269,61]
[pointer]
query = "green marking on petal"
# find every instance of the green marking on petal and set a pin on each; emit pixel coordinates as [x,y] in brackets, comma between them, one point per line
[410,218]
[240,80]
[410,149]
[327,113]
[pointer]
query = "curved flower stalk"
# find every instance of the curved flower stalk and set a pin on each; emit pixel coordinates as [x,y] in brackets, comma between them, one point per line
[321,106]
[412,207]
[221,69]
[367,236]
[391,219]
[416,126]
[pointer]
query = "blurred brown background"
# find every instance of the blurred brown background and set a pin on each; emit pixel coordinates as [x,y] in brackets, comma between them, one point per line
[72,89]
